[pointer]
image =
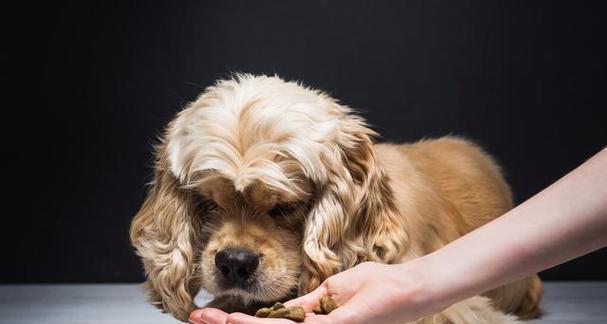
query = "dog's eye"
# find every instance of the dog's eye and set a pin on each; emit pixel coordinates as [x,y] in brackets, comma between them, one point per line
[282,209]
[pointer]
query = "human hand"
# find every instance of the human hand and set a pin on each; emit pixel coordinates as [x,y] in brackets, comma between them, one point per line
[368,292]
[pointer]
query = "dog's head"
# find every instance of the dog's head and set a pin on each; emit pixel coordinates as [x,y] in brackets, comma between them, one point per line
[262,188]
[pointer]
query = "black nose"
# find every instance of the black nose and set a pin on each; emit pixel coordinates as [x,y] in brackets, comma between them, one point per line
[237,265]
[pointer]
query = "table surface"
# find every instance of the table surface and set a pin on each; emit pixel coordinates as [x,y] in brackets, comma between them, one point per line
[564,302]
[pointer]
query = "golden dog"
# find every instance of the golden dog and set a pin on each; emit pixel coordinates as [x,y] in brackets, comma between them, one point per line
[264,188]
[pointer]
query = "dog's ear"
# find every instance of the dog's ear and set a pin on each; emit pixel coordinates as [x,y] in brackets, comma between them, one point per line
[163,233]
[354,217]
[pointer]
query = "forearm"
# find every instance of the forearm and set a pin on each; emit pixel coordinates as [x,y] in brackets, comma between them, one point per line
[566,220]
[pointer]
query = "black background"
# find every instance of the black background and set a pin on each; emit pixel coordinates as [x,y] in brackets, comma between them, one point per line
[90,86]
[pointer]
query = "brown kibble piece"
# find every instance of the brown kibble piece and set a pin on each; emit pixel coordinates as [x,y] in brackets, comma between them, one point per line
[279,313]
[318,310]
[263,312]
[277,306]
[297,314]
[327,304]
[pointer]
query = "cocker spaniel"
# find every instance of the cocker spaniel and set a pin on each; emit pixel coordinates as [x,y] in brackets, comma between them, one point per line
[264,188]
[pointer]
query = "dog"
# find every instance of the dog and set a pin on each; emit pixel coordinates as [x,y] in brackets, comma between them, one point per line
[263,188]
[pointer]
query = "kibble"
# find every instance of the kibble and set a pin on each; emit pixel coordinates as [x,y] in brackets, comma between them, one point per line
[327,304]
[263,312]
[318,310]
[298,314]
[278,306]
[279,313]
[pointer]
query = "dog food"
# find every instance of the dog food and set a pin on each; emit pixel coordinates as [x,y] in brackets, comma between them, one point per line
[280,311]
[297,314]
[327,305]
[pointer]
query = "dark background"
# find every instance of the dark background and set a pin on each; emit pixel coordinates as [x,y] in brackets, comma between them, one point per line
[90,86]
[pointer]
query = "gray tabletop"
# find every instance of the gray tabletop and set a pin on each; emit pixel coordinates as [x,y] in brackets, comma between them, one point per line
[564,302]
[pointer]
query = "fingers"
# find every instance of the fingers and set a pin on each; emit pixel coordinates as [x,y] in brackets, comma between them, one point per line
[211,315]
[318,319]
[240,318]
[309,301]
[208,315]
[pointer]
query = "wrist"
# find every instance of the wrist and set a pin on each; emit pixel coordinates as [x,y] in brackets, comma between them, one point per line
[432,285]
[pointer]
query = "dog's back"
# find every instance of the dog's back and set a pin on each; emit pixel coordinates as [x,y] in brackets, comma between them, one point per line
[447,187]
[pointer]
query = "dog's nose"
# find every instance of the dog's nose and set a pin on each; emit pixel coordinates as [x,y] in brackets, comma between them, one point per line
[237,265]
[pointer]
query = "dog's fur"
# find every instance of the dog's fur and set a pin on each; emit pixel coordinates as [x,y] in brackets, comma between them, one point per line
[287,172]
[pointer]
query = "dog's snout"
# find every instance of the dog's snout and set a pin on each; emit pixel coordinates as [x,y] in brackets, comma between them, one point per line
[236,265]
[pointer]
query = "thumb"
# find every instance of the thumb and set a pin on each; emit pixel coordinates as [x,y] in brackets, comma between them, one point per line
[310,300]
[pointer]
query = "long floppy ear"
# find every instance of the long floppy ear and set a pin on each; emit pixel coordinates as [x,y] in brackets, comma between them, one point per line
[354,218]
[163,232]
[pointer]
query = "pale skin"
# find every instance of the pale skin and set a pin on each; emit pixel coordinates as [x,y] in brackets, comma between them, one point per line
[566,220]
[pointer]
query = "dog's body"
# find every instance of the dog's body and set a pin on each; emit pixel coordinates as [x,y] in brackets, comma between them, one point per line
[264,188]
[447,187]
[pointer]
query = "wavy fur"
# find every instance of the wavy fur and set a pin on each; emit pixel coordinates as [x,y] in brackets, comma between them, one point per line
[292,175]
